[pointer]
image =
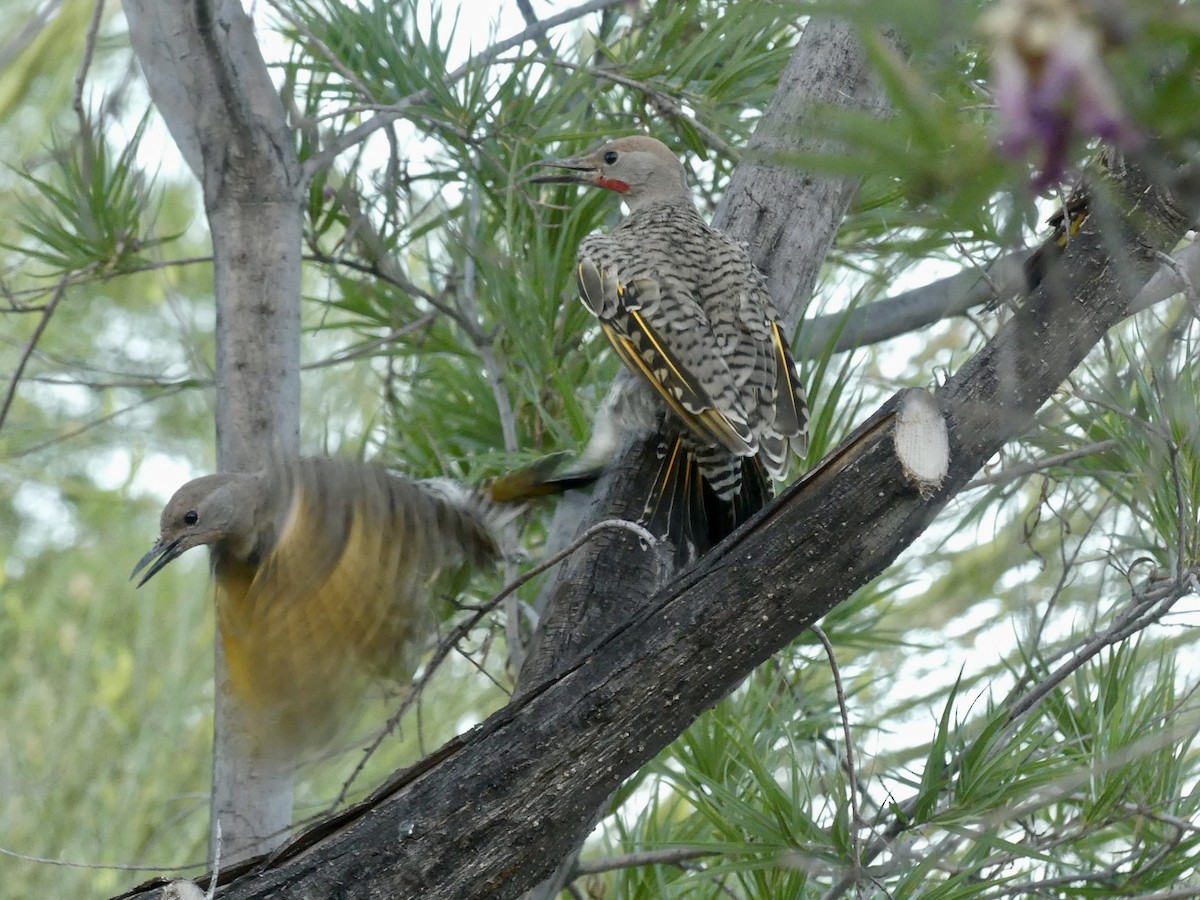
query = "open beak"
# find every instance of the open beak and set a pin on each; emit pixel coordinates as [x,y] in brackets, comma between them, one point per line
[581,171]
[165,553]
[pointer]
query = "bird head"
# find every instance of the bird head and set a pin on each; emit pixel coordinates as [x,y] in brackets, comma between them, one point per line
[641,169]
[203,511]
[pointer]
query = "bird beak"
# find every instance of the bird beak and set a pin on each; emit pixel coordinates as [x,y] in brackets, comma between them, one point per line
[165,551]
[582,171]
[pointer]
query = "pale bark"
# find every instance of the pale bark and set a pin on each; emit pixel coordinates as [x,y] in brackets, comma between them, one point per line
[787,217]
[210,84]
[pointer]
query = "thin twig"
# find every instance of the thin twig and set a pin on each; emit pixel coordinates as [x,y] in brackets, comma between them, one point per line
[322,49]
[668,104]
[1152,606]
[59,290]
[343,142]
[88,426]
[851,776]
[1064,579]
[382,264]
[1011,473]
[85,64]
[94,277]
[369,347]
[116,867]
[671,856]
[1154,603]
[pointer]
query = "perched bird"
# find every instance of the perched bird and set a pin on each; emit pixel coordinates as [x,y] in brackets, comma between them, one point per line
[689,314]
[325,572]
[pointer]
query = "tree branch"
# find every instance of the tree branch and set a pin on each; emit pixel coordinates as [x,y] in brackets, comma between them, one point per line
[47,312]
[952,296]
[491,812]
[344,142]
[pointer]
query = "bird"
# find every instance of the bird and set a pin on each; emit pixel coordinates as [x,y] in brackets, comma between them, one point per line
[690,316]
[325,573]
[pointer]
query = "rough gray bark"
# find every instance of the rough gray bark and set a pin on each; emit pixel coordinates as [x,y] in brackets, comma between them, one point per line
[489,813]
[789,220]
[210,83]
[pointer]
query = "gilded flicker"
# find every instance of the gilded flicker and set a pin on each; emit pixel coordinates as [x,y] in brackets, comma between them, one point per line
[325,572]
[690,315]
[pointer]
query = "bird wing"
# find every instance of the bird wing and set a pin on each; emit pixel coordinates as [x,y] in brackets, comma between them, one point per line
[664,336]
[790,402]
[344,595]
[781,420]
[747,328]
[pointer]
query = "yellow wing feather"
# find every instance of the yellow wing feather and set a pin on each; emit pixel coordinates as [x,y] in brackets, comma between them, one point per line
[604,295]
[791,411]
[708,424]
[317,622]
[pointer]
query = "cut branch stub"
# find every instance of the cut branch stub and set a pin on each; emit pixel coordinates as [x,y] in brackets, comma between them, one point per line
[922,441]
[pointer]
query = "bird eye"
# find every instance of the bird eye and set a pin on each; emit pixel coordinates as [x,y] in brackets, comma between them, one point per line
[610,157]
[191,517]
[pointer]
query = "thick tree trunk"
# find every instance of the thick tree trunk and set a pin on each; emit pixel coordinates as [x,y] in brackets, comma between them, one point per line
[209,82]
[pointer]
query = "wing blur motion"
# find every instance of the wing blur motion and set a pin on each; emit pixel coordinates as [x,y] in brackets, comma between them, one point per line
[344,596]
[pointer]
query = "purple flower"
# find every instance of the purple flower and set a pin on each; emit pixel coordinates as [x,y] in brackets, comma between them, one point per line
[1051,82]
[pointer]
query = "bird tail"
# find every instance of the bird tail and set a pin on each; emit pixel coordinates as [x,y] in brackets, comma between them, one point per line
[540,478]
[700,497]
[1065,223]
[483,524]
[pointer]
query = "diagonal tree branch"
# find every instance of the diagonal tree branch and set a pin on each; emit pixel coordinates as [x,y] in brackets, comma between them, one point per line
[490,812]
[47,312]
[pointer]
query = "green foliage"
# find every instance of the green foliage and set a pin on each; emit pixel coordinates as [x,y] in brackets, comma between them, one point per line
[442,334]
[89,214]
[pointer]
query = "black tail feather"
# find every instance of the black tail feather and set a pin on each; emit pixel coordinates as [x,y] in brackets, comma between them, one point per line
[684,509]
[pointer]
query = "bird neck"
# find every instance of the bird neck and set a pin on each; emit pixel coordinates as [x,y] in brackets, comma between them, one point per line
[673,204]
[249,524]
